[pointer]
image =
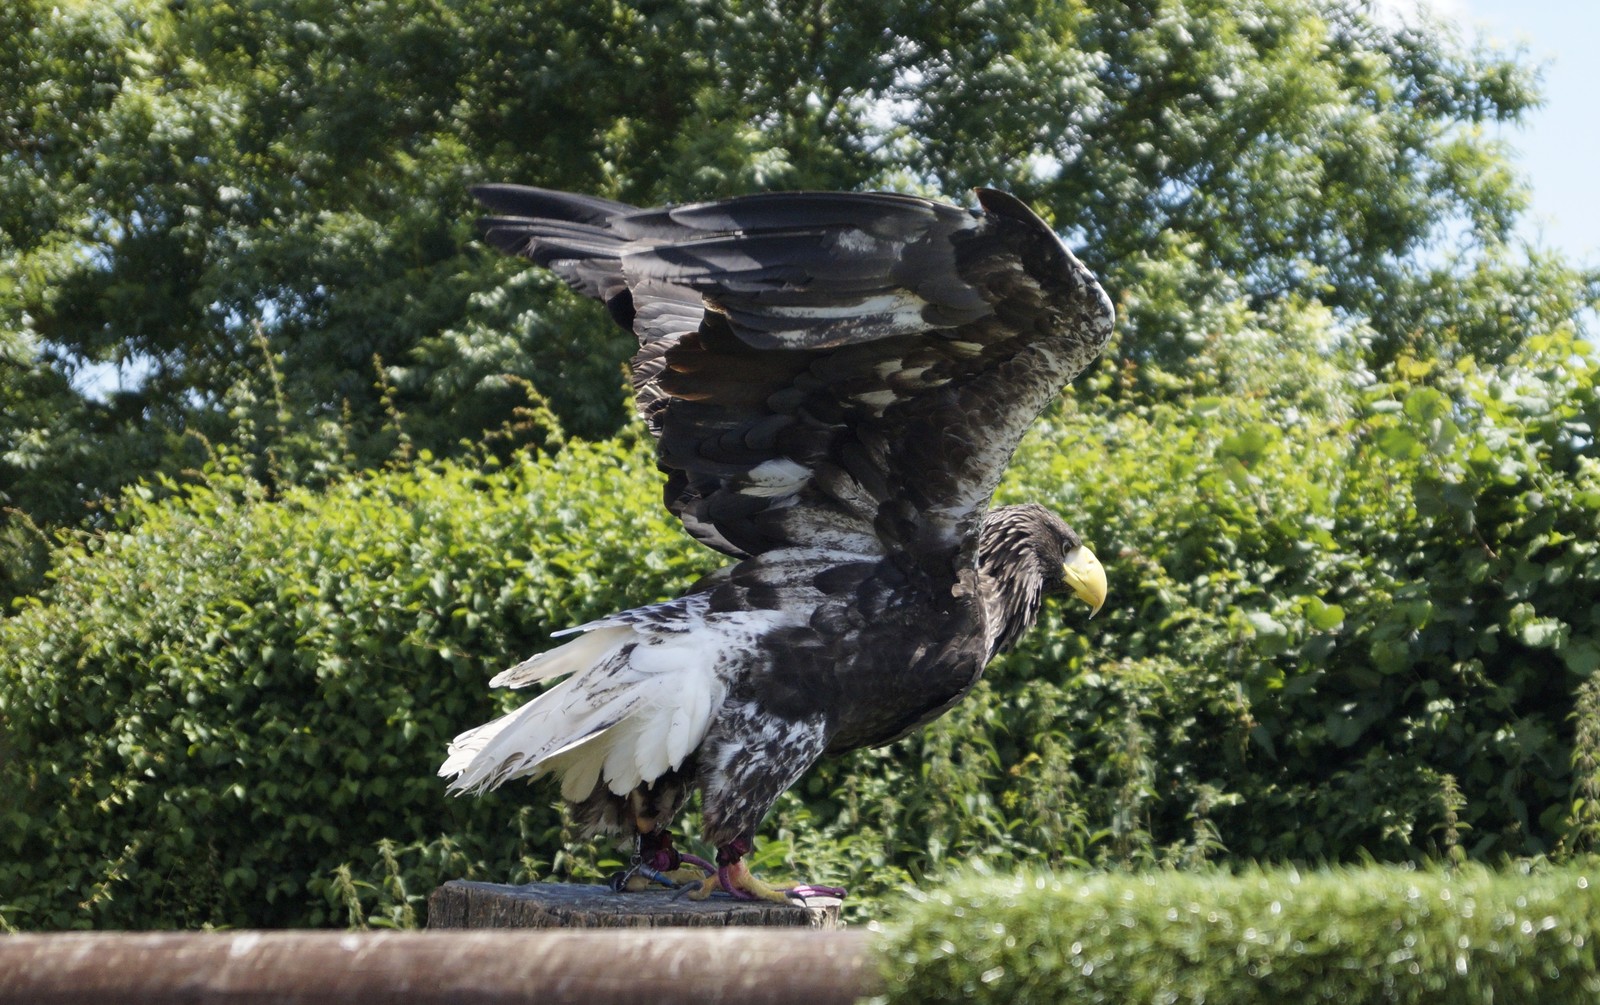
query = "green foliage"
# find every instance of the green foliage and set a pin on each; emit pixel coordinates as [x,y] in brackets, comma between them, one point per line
[1269,149]
[1340,464]
[1374,934]
[1352,621]
[185,186]
[234,696]
[1347,619]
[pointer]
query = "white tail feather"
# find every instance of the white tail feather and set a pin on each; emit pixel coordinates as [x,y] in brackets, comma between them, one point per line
[650,751]
[639,700]
[579,768]
[521,742]
[589,649]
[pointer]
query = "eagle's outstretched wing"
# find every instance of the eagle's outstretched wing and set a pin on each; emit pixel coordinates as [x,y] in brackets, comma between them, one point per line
[848,371]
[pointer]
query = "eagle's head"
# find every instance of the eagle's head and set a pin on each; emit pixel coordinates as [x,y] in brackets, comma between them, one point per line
[1024,553]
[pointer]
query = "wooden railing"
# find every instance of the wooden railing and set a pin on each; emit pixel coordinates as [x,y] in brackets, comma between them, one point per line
[625,966]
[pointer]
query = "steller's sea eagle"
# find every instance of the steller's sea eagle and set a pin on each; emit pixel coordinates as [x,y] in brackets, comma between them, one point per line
[835,382]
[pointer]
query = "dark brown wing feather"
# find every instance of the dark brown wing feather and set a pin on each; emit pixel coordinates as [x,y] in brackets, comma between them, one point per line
[848,371]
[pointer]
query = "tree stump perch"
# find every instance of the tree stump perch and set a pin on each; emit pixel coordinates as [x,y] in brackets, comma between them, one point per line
[466,904]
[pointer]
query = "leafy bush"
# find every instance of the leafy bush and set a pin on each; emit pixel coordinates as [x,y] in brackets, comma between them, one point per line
[221,705]
[1344,624]
[1348,620]
[184,184]
[1375,934]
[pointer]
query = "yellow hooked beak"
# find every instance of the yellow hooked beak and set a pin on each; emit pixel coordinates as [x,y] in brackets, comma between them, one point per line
[1087,577]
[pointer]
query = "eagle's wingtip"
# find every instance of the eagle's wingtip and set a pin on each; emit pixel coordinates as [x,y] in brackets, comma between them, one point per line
[1002,203]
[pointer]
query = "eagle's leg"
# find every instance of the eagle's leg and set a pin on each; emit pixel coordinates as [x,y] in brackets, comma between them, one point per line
[734,877]
[655,859]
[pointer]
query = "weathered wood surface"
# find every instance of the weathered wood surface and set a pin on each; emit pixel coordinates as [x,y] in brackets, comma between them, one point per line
[423,968]
[465,904]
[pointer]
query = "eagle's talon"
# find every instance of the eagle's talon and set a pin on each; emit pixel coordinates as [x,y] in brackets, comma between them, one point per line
[736,878]
[702,890]
[730,875]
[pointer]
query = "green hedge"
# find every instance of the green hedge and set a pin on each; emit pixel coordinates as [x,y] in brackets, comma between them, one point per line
[1346,620]
[220,707]
[1376,934]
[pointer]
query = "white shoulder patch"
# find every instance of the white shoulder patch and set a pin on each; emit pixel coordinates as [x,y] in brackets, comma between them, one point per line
[877,400]
[777,477]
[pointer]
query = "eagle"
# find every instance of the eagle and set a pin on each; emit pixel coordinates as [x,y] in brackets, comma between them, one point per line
[835,382]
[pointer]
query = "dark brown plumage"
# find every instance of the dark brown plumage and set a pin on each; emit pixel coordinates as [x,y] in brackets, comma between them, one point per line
[836,382]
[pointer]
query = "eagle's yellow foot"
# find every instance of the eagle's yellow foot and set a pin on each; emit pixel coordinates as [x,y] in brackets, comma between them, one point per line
[638,879]
[711,884]
[739,882]
[737,878]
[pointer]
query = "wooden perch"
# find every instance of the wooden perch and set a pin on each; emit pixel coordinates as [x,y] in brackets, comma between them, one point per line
[464,904]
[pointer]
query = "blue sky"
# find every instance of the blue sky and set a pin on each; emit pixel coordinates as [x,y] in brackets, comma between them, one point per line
[1559,145]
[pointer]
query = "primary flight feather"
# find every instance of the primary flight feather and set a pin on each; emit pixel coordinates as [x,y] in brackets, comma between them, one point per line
[836,383]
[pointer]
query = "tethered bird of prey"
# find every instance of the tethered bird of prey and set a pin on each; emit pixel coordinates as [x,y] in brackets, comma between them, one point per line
[836,382]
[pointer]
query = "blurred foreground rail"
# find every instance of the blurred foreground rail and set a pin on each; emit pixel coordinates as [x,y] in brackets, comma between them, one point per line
[417,968]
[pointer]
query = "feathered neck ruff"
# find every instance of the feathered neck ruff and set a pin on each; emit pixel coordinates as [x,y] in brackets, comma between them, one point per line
[1020,552]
